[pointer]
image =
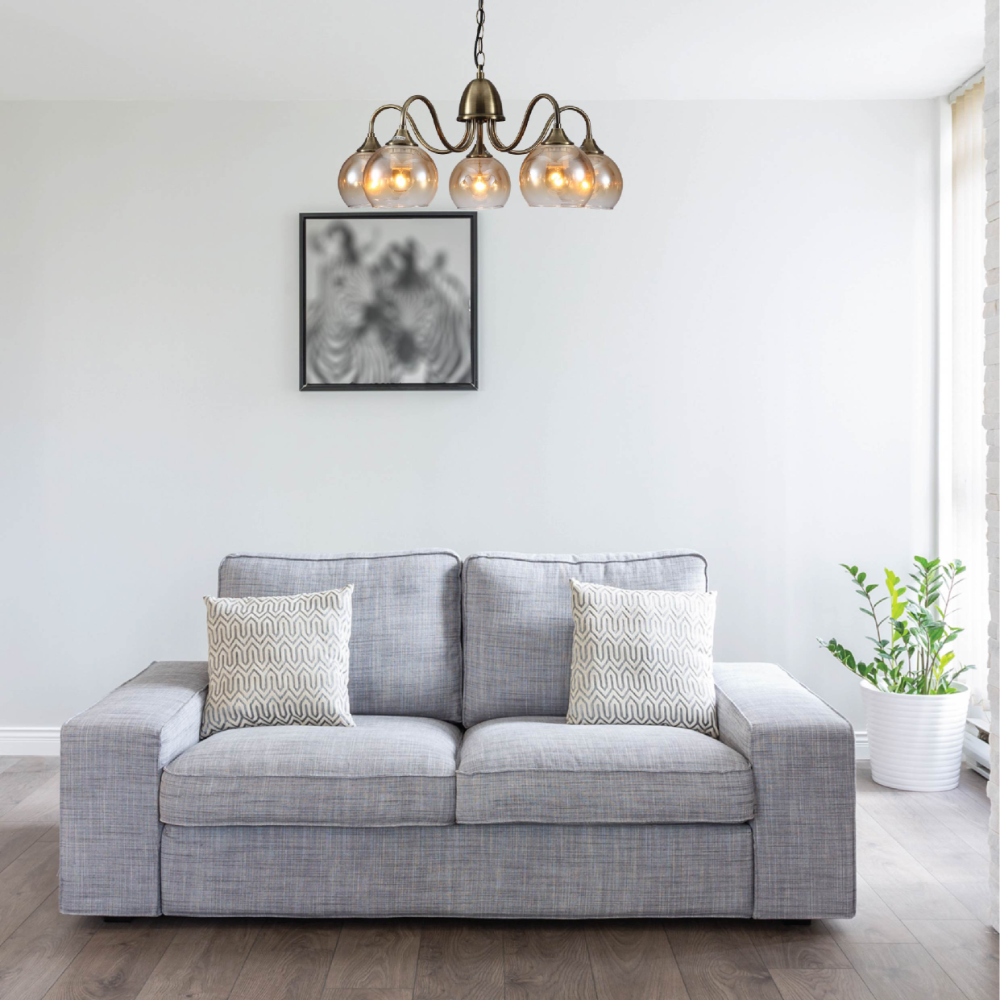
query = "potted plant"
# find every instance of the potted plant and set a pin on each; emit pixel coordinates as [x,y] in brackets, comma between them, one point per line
[916,711]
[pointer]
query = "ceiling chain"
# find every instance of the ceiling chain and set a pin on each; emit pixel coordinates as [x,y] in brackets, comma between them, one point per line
[477,51]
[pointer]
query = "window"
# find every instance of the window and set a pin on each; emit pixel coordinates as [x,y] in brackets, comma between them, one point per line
[962,439]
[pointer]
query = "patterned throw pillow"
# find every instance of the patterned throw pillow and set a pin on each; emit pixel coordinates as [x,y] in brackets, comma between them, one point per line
[278,661]
[642,657]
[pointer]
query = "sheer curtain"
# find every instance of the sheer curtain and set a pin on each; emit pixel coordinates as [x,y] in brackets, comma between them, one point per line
[963,440]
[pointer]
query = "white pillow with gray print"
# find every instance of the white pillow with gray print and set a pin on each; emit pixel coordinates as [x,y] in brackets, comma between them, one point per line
[642,657]
[278,661]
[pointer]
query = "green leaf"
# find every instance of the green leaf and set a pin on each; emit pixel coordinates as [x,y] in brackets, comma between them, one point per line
[898,605]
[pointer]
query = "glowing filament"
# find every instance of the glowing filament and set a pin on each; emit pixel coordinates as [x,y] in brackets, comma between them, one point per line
[400,179]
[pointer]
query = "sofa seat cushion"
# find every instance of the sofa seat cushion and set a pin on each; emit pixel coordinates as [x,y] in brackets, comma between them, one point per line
[540,770]
[383,771]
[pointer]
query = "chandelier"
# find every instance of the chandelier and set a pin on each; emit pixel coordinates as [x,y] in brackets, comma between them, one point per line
[555,172]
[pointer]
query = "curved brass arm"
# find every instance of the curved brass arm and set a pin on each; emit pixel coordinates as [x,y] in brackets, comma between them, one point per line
[583,114]
[371,143]
[378,111]
[495,139]
[405,118]
[588,145]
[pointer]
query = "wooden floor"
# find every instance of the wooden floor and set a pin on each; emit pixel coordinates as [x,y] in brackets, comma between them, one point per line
[920,932]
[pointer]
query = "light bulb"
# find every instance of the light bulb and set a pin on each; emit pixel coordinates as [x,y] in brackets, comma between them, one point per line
[352,180]
[399,176]
[557,176]
[479,182]
[607,182]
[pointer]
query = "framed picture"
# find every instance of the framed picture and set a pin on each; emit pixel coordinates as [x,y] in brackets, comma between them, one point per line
[387,301]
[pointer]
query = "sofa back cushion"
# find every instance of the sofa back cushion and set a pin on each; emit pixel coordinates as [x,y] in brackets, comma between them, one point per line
[406,632]
[518,622]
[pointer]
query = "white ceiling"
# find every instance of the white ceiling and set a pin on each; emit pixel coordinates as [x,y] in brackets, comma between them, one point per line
[581,50]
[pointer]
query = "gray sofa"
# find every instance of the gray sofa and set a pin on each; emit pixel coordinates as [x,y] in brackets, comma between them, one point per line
[461,791]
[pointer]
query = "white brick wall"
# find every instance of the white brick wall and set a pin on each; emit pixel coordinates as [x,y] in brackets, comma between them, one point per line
[991,420]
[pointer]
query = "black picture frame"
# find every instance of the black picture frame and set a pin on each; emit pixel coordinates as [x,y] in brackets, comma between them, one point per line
[389,219]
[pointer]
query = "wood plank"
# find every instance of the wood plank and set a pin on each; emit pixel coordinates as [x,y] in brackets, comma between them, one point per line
[115,963]
[202,961]
[21,826]
[966,950]
[632,960]
[7,761]
[288,961]
[338,994]
[882,859]
[39,951]
[694,939]
[376,954]
[974,785]
[24,885]
[15,786]
[974,896]
[922,899]
[718,960]
[901,972]
[921,834]
[821,984]
[459,960]
[37,764]
[51,835]
[781,946]
[965,817]
[547,961]
[874,922]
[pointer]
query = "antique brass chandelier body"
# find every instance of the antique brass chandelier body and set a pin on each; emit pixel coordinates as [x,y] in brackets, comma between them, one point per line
[555,172]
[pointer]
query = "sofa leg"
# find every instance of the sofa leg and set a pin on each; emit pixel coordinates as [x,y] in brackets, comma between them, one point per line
[118,920]
[796,923]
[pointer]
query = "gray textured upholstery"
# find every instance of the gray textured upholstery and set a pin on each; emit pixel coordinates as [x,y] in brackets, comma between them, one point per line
[552,820]
[112,755]
[406,633]
[518,622]
[384,771]
[802,756]
[540,770]
[459,871]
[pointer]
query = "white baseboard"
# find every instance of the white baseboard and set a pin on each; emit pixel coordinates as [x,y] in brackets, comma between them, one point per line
[861,746]
[19,741]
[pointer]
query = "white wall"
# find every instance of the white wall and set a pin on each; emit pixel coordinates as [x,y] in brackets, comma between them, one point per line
[738,358]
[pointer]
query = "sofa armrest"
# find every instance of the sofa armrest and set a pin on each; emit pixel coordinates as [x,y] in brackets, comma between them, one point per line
[109,819]
[802,755]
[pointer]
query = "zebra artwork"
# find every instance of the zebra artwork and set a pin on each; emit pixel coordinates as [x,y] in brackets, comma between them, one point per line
[388,301]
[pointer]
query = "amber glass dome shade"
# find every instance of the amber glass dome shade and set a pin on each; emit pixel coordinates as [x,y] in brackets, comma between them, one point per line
[400,176]
[479,182]
[352,180]
[557,176]
[607,182]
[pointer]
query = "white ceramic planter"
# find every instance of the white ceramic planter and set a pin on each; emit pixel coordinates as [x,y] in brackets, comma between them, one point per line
[916,740]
